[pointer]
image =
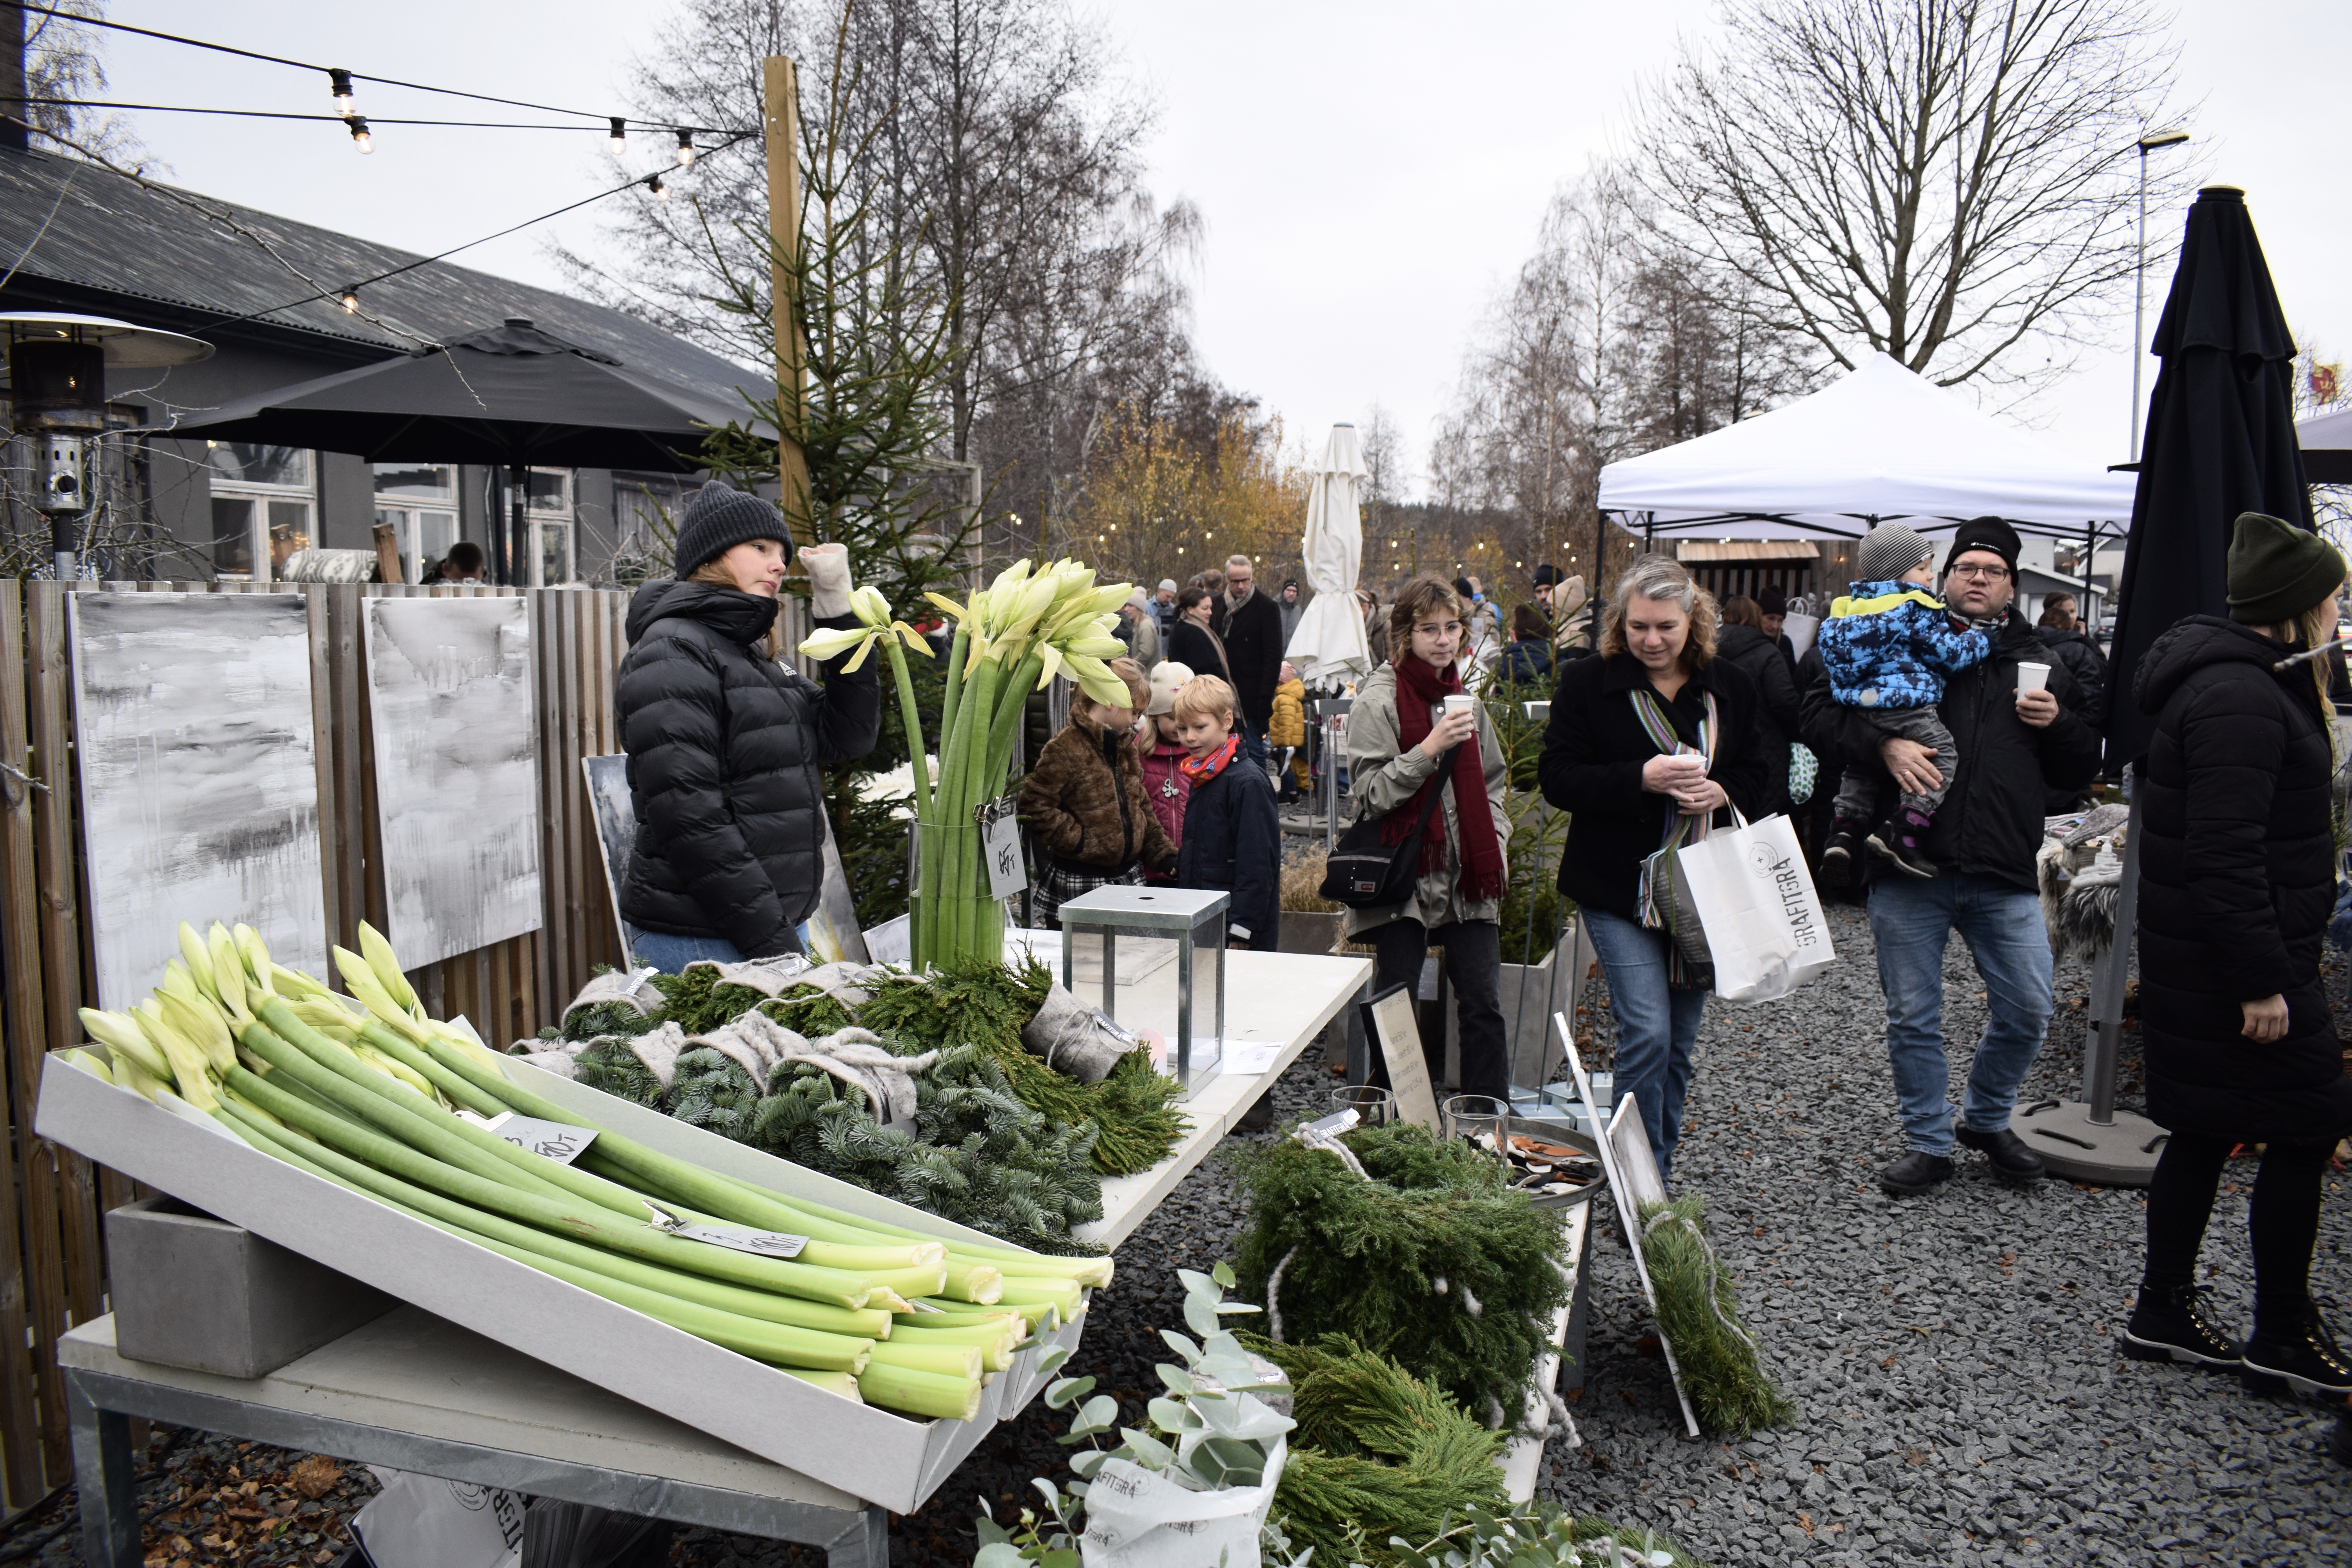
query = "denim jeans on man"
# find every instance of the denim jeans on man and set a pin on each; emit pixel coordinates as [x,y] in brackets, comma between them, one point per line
[1656,1025]
[670,953]
[1912,921]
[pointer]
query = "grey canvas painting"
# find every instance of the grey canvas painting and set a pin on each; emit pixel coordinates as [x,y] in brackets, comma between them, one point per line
[199,794]
[456,772]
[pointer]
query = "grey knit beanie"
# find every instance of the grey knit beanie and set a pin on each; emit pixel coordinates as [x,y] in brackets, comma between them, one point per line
[1888,552]
[721,516]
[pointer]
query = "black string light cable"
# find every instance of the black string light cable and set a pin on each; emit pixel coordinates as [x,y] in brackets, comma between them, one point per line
[335,119]
[340,78]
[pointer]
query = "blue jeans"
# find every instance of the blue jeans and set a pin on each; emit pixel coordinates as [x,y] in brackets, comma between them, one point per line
[1657,1027]
[1911,921]
[670,954]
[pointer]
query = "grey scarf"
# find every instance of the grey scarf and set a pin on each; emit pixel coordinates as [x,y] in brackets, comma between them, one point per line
[1233,604]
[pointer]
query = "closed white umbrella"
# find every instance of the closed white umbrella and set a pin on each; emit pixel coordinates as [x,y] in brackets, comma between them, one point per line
[1329,645]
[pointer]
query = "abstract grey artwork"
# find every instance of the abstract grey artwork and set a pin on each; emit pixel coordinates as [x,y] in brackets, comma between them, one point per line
[199,794]
[456,772]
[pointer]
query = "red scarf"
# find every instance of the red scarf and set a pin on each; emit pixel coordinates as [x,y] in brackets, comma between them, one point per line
[1420,685]
[1200,769]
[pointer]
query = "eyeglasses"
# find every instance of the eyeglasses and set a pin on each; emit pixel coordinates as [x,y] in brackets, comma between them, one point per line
[1979,574]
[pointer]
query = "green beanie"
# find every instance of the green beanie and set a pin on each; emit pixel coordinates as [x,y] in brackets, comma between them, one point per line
[2277,571]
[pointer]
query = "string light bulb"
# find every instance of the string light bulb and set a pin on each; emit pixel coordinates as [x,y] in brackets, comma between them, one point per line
[350,301]
[360,137]
[340,87]
[619,140]
[685,148]
[660,191]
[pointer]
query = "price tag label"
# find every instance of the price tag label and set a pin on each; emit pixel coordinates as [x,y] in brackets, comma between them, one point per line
[1339,1121]
[735,1237]
[999,834]
[1111,1027]
[558,1140]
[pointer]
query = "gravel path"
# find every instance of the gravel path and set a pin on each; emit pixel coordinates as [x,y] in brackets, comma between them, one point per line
[1952,1356]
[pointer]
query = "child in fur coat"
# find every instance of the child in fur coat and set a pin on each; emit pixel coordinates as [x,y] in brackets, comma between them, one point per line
[1083,804]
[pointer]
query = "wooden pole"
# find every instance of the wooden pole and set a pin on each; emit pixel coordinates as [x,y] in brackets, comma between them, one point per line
[781,98]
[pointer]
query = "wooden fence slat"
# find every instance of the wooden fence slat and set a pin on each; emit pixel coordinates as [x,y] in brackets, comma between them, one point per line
[322,754]
[352,764]
[22,1008]
[547,668]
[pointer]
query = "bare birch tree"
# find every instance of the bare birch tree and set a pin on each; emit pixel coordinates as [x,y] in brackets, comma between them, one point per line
[1948,181]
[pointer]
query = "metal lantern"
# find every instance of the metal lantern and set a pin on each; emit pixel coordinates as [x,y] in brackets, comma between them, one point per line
[57,396]
[1156,958]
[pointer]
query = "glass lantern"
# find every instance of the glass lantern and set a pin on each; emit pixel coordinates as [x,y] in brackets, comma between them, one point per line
[1154,960]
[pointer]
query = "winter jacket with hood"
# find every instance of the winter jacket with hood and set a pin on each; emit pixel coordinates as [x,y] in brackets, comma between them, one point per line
[1892,644]
[2084,661]
[725,747]
[2237,878]
[1287,725]
[1084,802]
[1990,822]
[1384,776]
[1780,710]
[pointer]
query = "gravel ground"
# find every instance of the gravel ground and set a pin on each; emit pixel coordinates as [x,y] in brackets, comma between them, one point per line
[1952,1356]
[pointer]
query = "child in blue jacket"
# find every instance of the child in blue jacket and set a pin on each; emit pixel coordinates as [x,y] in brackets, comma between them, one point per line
[1888,646]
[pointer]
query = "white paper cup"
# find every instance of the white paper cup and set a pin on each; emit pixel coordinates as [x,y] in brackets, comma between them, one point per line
[2032,677]
[1457,704]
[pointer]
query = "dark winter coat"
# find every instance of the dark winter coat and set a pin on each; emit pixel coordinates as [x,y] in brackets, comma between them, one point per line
[725,747]
[1779,708]
[2084,661]
[1232,843]
[1084,803]
[1990,822]
[1892,644]
[1254,643]
[1199,649]
[1593,751]
[2237,878]
[1528,658]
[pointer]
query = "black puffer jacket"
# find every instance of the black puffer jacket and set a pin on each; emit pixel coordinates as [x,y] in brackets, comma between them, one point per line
[1779,707]
[1991,824]
[2237,878]
[724,750]
[2084,661]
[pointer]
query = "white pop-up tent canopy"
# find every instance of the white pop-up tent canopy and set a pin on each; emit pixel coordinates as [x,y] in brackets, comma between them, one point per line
[1879,445]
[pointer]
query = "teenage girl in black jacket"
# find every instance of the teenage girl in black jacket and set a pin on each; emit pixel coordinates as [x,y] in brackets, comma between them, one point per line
[726,745]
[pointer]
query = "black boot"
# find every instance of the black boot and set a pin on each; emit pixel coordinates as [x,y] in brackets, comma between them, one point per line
[1915,1174]
[2299,1354]
[2172,1323]
[2006,1152]
[1838,861]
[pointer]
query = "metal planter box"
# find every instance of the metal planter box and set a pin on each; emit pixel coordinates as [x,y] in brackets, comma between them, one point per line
[893,1460]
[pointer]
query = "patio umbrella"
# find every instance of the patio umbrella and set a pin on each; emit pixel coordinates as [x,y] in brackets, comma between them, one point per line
[2326,443]
[2221,440]
[1328,645]
[513,396]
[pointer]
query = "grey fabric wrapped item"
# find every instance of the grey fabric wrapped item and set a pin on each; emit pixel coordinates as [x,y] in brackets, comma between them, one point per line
[858,1058]
[557,1061]
[851,984]
[1075,1038]
[624,985]
[768,976]
[755,1042]
[658,1050]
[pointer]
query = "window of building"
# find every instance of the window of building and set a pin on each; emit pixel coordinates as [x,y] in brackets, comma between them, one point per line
[553,528]
[262,508]
[420,502]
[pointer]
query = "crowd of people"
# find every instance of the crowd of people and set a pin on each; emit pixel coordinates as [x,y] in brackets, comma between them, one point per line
[1925,736]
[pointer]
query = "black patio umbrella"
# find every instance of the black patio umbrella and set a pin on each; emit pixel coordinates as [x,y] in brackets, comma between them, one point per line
[2221,440]
[513,396]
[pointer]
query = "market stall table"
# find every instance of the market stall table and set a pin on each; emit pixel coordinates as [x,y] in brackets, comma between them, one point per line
[416,1392]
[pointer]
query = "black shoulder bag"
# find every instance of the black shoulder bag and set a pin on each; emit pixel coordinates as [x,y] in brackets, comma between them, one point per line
[1364,873]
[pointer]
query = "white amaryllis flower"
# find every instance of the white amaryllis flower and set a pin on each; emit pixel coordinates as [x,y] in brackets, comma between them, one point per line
[873,614]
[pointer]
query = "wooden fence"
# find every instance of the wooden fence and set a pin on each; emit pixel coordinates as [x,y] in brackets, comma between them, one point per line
[52,1243]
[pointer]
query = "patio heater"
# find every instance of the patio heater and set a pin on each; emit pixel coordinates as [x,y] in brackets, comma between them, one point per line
[57,400]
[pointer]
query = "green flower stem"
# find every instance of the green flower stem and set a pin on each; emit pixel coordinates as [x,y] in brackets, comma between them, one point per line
[958,651]
[913,720]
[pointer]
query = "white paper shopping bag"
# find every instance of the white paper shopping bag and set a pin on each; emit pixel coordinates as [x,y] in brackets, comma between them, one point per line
[1756,900]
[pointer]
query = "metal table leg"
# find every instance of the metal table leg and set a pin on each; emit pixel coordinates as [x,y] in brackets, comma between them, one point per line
[103,1482]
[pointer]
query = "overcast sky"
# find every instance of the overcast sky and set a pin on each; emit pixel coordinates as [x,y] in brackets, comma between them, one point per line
[1371,173]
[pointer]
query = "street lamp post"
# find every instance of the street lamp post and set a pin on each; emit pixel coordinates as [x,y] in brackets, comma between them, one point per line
[2146,144]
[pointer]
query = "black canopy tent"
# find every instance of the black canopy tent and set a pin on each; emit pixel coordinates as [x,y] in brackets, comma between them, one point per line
[513,396]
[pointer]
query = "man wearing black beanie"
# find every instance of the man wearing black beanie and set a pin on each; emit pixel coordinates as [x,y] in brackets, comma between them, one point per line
[2016,728]
[726,744]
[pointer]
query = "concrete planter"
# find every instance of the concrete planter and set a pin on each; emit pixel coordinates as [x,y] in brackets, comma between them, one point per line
[1530,994]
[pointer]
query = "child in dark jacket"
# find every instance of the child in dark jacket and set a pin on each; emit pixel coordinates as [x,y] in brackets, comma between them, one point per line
[1085,805]
[1165,788]
[1233,833]
[1888,646]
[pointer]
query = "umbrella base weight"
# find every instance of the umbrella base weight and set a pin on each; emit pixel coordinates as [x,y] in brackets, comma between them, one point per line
[2120,1155]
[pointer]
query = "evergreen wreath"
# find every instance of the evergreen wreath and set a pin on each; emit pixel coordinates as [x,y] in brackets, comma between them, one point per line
[1430,1261]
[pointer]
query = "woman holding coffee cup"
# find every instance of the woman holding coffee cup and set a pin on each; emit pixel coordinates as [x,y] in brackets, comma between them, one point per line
[1413,729]
[1651,738]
